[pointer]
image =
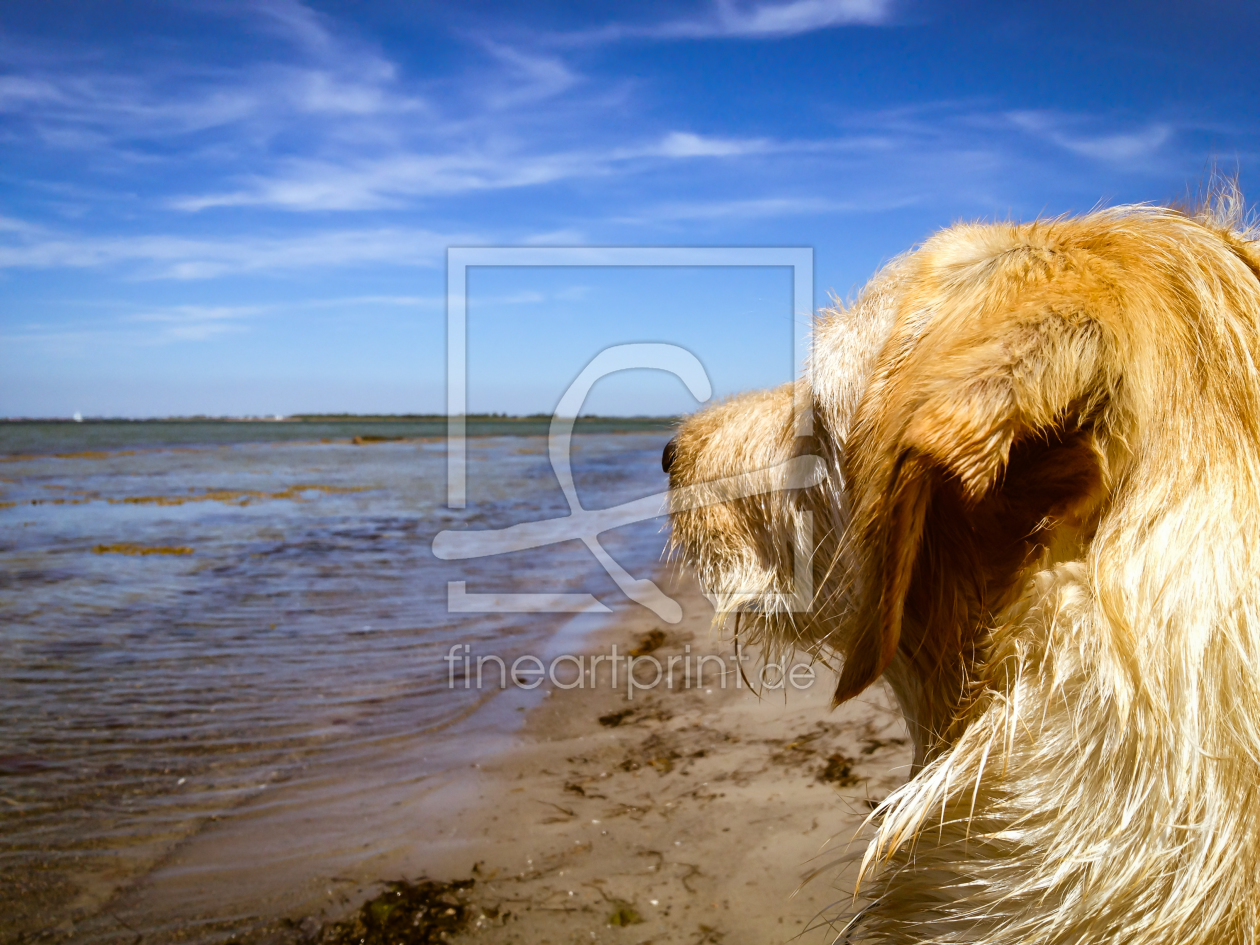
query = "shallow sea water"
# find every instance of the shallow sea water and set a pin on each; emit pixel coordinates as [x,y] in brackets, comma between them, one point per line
[186,627]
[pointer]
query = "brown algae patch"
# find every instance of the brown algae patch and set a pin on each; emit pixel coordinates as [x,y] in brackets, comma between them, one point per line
[624,914]
[426,912]
[295,493]
[649,643]
[839,771]
[84,454]
[131,548]
[239,496]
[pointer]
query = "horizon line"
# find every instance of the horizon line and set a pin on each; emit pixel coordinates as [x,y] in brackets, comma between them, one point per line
[329,417]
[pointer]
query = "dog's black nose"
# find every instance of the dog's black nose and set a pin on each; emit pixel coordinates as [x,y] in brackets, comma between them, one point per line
[669,454]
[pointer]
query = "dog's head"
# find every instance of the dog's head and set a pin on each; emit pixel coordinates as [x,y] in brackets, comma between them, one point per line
[977,410]
[778,555]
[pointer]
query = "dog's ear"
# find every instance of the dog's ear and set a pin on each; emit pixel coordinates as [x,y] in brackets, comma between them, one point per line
[980,431]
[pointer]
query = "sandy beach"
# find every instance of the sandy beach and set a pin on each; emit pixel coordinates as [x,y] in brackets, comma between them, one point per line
[683,815]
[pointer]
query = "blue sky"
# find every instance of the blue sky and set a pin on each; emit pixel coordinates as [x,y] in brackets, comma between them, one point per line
[244,208]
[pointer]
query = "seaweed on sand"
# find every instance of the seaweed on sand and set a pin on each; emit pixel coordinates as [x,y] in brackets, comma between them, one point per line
[624,914]
[425,912]
[613,719]
[839,771]
[649,643]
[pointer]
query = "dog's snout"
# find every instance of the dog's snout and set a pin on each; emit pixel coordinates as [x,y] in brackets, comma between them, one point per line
[669,454]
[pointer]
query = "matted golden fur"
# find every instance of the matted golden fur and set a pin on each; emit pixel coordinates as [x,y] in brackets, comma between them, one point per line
[1040,524]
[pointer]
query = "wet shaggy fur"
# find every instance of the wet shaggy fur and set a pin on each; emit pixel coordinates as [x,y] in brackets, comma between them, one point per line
[1040,523]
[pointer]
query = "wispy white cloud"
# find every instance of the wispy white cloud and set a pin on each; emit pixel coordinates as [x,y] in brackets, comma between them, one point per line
[72,110]
[179,314]
[568,236]
[329,123]
[358,184]
[77,103]
[183,323]
[527,76]
[291,21]
[434,302]
[761,208]
[731,19]
[171,324]
[576,293]
[772,20]
[195,322]
[201,322]
[19,91]
[178,257]
[11,225]
[951,153]
[685,144]
[1081,135]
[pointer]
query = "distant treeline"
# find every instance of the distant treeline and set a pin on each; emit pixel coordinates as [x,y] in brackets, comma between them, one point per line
[37,437]
[472,417]
[360,418]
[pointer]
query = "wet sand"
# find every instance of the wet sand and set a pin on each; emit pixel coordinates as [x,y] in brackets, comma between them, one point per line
[685,815]
[694,819]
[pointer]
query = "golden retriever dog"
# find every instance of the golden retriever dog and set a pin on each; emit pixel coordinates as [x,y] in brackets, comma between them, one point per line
[1040,524]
